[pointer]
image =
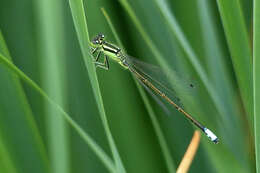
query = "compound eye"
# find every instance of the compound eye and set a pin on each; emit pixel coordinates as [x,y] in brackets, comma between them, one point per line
[102,36]
[96,41]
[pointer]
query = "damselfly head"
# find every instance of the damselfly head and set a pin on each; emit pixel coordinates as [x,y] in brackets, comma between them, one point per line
[98,39]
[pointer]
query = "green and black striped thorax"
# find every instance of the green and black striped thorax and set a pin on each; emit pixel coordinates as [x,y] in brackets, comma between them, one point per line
[99,40]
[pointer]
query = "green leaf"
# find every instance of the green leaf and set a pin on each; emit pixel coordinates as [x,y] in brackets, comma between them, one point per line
[256,80]
[44,45]
[16,116]
[166,152]
[100,153]
[78,15]
[226,114]
[52,64]
[239,47]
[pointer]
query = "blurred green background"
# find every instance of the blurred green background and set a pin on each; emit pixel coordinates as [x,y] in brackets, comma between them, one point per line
[207,42]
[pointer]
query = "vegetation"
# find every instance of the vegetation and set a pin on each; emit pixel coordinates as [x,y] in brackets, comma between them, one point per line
[58,113]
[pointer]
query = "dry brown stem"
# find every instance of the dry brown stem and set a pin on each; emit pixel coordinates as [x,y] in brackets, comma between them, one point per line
[190,153]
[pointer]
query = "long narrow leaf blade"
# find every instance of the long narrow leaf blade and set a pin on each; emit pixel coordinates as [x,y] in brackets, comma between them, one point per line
[16,114]
[78,15]
[93,145]
[166,151]
[256,79]
[239,47]
[52,53]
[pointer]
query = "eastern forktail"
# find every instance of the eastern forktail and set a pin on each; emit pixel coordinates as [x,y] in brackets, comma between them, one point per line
[99,45]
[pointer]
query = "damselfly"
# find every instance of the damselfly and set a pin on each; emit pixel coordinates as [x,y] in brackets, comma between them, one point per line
[99,46]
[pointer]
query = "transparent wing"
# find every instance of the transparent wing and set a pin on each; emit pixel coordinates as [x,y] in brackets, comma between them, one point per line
[164,82]
[170,79]
[155,97]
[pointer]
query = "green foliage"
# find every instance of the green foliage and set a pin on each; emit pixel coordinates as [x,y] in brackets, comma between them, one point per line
[119,128]
[256,54]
